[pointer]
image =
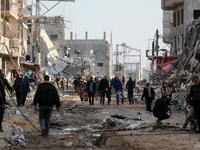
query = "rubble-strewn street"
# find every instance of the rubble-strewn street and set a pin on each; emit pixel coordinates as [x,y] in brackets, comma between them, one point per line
[115,87]
[97,127]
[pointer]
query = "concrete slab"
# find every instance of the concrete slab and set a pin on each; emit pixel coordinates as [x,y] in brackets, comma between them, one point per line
[7,133]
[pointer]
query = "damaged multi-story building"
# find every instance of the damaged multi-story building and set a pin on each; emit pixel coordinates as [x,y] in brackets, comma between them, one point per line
[98,52]
[177,14]
[13,35]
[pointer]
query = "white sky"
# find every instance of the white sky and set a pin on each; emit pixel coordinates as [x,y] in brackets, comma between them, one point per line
[130,21]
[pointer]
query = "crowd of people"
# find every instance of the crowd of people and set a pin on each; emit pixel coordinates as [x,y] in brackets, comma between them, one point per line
[102,88]
[47,96]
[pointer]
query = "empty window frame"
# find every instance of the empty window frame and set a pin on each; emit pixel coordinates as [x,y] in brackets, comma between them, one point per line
[28,57]
[54,37]
[196,14]
[174,19]
[100,64]
[178,18]
[182,16]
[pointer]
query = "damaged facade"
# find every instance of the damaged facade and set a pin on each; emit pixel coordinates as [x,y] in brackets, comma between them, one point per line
[98,52]
[73,57]
[176,17]
[13,35]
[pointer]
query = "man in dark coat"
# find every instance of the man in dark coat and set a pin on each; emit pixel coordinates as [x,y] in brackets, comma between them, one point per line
[47,96]
[194,98]
[130,86]
[102,88]
[26,90]
[160,110]
[76,81]
[19,87]
[91,89]
[3,83]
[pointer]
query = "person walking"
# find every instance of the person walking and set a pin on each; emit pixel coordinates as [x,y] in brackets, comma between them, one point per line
[46,96]
[91,89]
[149,95]
[123,80]
[62,84]
[19,87]
[193,97]
[102,88]
[26,90]
[130,86]
[118,89]
[3,83]
[76,82]
[97,87]
[108,95]
[111,82]
[160,110]
[81,90]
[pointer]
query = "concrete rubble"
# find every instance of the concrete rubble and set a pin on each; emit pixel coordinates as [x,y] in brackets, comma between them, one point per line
[121,122]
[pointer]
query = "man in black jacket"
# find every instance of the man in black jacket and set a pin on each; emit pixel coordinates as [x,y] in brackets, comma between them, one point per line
[91,89]
[46,95]
[26,90]
[3,83]
[195,101]
[130,85]
[102,89]
[160,110]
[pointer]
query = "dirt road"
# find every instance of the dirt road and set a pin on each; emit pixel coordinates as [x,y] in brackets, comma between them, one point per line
[81,128]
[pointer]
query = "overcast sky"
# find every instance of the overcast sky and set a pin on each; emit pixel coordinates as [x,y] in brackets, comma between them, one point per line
[130,21]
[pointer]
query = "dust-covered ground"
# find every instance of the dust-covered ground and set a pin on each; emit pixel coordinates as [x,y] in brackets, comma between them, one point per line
[82,128]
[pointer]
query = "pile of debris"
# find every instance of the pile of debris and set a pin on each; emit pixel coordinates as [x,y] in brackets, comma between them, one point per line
[121,122]
[190,57]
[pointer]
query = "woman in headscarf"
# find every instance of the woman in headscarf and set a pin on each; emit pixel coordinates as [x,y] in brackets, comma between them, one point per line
[149,95]
[81,90]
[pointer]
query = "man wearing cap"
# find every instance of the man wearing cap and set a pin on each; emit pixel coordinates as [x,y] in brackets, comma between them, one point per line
[194,98]
[160,110]
[91,89]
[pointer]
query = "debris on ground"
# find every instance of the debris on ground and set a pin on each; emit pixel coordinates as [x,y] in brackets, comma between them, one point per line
[121,122]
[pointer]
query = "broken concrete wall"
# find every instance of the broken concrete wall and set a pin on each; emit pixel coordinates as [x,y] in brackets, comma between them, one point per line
[13,37]
[98,52]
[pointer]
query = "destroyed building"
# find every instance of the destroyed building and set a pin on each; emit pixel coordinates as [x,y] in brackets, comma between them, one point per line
[13,35]
[55,28]
[99,53]
[177,14]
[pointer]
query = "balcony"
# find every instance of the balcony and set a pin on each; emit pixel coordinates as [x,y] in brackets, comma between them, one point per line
[9,9]
[170,4]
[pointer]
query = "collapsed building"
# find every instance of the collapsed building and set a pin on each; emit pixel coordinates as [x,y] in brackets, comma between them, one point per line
[98,52]
[182,35]
[72,57]
[13,36]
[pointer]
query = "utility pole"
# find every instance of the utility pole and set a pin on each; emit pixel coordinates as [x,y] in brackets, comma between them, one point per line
[157,46]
